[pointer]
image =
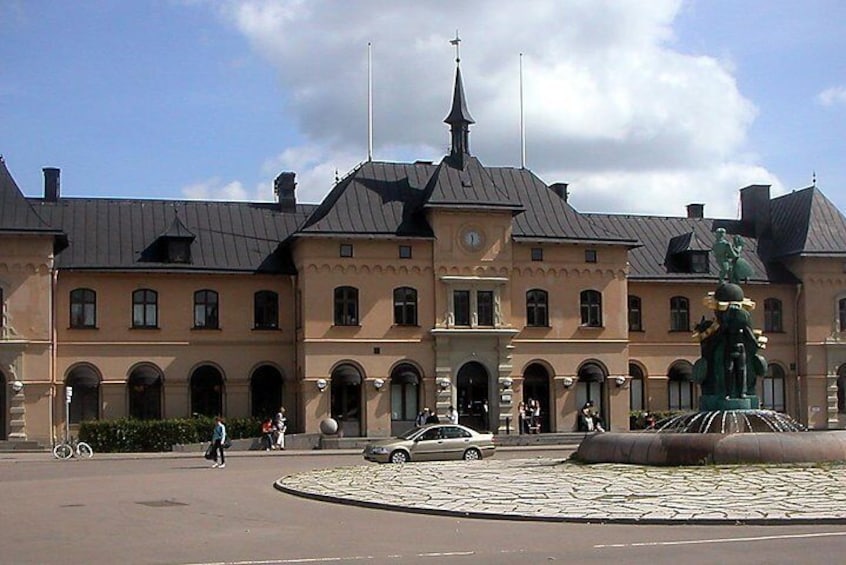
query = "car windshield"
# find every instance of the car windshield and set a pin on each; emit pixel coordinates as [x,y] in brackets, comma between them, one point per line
[409,434]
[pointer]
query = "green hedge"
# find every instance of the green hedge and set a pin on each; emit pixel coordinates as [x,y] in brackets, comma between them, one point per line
[128,435]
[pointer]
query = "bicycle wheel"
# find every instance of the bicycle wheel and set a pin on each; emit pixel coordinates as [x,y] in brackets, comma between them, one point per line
[84,450]
[62,451]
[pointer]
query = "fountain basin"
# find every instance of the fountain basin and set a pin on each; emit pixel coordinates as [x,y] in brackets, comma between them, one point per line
[673,448]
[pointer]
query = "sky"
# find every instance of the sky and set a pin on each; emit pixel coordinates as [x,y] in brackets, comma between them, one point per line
[642,107]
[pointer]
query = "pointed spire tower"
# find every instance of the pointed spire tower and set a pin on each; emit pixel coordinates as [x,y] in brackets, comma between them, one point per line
[459,119]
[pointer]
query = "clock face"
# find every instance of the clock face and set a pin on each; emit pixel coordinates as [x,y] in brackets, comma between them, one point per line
[472,238]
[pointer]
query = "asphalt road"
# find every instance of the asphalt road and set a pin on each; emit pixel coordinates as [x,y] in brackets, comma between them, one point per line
[178,510]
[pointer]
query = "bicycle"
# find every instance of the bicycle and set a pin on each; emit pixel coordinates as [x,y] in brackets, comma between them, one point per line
[73,448]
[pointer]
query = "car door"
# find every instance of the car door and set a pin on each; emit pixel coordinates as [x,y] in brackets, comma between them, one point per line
[455,441]
[428,445]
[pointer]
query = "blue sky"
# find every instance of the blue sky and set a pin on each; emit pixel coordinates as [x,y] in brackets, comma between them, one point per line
[642,107]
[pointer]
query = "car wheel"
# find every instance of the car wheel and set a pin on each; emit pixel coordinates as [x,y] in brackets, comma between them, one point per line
[399,457]
[472,454]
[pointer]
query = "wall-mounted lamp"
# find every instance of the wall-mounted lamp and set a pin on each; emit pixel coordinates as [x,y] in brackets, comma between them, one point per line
[506,383]
[378,384]
[444,384]
[567,382]
[620,381]
[321,384]
[17,386]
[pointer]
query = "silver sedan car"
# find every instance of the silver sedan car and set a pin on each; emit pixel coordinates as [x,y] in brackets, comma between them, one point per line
[432,442]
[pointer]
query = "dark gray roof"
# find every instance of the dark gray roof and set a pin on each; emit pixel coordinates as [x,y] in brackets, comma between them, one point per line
[118,234]
[470,187]
[656,233]
[375,199]
[16,213]
[805,222]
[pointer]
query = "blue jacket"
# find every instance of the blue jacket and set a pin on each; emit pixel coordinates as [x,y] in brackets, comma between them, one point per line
[219,432]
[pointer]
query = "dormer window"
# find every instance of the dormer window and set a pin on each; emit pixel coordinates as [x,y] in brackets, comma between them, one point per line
[686,254]
[174,245]
[698,261]
[178,251]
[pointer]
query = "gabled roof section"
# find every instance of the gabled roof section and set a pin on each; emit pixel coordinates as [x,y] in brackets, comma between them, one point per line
[686,242]
[471,187]
[376,199]
[16,213]
[805,222]
[547,216]
[120,234]
[177,229]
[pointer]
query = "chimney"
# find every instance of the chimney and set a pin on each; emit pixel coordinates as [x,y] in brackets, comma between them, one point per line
[755,210]
[51,184]
[560,188]
[696,211]
[284,187]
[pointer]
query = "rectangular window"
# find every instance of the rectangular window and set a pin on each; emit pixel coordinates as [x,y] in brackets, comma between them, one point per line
[266,310]
[679,314]
[346,250]
[635,319]
[772,315]
[83,308]
[537,254]
[699,262]
[590,255]
[205,309]
[461,306]
[145,309]
[485,307]
[405,252]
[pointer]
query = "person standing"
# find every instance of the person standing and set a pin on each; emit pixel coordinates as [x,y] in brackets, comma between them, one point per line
[422,417]
[280,424]
[267,434]
[452,415]
[218,439]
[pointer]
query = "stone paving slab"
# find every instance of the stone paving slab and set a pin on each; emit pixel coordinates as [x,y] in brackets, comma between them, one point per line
[558,490]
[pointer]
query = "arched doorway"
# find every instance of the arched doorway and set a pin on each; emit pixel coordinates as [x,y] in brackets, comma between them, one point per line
[206,391]
[473,408]
[405,397]
[4,407]
[590,387]
[85,401]
[145,393]
[266,392]
[346,399]
[536,387]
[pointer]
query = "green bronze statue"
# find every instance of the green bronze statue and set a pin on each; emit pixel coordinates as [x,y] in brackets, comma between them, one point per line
[730,363]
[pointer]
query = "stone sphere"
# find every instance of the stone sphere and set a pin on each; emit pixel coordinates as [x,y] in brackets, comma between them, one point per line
[729,292]
[329,426]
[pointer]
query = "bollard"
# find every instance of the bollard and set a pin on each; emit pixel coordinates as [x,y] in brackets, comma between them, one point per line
[508,425]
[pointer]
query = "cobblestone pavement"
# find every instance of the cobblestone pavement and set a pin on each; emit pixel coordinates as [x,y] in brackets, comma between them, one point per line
[557,490]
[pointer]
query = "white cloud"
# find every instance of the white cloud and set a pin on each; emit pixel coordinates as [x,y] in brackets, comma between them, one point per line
[216,189]
[832,96]
[610,106]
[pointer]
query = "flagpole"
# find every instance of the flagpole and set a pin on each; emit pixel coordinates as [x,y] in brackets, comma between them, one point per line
[369,105]
[522,122]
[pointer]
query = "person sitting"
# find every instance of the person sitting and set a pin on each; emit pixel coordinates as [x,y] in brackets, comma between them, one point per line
[589,419]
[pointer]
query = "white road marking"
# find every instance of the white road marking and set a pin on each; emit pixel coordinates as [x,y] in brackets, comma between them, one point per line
[338,559]
[719,540]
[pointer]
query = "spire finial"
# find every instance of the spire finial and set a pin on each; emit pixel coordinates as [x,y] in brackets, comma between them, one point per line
[814,179]
[456,42]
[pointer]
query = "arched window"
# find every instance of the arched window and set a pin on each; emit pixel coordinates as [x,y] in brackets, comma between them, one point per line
[680,387]
[679,314]
[773,389]
[206,309]
[346,306]
[773,315]
[405,397]
[206,391]
[537,308]
[591,308]
[636,388]
[83,308]
[145,308]
[635,314]
[266,311]
[405,306]
[145,393]
[85,400]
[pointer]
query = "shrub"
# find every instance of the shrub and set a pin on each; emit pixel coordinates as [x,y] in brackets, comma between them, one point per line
[129,435]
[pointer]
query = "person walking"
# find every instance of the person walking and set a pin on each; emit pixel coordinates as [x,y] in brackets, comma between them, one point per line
[267,434]
[218,439]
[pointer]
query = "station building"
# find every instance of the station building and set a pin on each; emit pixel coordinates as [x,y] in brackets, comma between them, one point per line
[410,285]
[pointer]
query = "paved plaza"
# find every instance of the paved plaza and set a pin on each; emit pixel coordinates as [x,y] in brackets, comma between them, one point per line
[557,490]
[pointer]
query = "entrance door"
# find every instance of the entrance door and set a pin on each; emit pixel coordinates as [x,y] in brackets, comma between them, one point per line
[473,408]
[536,387]
[346,400]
